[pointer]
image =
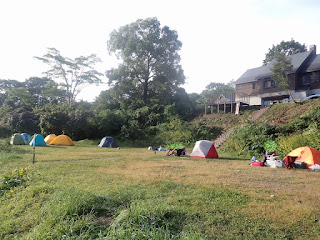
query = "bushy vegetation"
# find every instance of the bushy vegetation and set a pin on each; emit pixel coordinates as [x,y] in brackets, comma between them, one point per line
[300,131]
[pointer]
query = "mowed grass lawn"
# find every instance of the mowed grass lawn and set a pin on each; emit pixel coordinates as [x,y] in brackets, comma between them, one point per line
[87,192]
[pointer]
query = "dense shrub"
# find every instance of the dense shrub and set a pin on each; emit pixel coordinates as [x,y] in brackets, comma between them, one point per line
[288,143]
[251,138]
[201,129]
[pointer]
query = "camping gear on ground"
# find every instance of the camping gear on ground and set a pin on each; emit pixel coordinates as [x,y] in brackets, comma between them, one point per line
[310,156]
[63,140]
[49,138]
[274,163]
[108,142]
[315,167]
[17,139]
[38,140]
[289,161]
[257,164]
[204,149]
[161,149]
[176,149]
[26,137]
[299,164]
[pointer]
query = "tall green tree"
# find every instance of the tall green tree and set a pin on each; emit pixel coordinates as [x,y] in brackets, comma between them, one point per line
[72,74]
[281,69]
[44,90]
[6,86]
[285,47]
[150,65]
[214,89]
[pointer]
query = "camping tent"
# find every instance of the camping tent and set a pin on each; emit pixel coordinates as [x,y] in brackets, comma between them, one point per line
[108,142]
[26,137]
[306,154]
[16,139]
[38,139]
[62,140]
[49,138]
[204,149]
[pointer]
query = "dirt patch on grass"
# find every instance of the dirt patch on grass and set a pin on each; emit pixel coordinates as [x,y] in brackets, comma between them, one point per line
[104,220]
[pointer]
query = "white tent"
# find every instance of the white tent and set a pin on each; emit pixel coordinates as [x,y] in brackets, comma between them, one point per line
[204,149]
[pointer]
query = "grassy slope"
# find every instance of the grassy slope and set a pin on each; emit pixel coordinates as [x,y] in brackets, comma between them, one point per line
[280,114]
[90,192]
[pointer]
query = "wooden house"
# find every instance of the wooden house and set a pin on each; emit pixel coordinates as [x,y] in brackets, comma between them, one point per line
[304,80]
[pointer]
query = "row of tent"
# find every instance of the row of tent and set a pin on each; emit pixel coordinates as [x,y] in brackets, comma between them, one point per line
[38,140]
[310,156]
[52,139]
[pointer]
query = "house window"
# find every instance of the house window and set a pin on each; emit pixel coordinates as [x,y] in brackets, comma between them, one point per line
[254,85]
[269,84]
[305,80]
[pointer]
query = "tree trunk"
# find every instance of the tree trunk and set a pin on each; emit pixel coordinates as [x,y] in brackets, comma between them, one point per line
[145,91]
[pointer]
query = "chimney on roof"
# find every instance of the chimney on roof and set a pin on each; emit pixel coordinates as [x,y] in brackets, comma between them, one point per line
[313,48]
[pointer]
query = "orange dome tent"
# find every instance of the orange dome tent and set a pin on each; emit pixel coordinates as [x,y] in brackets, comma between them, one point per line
[306,154]
[49,138]
[62,140]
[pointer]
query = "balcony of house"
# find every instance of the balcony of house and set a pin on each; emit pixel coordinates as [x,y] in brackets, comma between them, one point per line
[226,103]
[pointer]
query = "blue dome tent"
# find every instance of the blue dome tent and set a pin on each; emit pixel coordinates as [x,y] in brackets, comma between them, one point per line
[26,137]
[108,142]
[38,139]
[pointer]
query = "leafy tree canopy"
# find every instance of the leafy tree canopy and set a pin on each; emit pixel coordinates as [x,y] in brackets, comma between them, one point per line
[150,65]
[213,90]
[285,47]
[73,74]
[281,68]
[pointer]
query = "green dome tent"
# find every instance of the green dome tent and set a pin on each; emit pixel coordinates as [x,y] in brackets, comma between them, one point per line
[16,139]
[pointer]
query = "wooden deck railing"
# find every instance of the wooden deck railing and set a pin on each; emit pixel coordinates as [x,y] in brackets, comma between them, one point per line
[230,98]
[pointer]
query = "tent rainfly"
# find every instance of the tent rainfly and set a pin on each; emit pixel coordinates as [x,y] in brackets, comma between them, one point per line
[49,138]
[38,139]
[310,156]
[26,137]
[108,142]
[204,149]
[62,140]
[16,139]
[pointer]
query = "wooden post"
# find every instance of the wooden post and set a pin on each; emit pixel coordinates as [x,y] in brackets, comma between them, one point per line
[218,108]
[34,148]
[205,109]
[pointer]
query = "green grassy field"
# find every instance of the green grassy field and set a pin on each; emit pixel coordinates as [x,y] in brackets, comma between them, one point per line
[87,192]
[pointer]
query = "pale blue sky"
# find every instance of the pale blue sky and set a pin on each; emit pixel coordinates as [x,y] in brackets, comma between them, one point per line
[221,39]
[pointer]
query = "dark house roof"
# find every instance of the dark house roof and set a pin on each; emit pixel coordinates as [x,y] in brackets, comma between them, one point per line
[315,65]
[254,74]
